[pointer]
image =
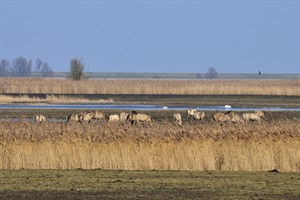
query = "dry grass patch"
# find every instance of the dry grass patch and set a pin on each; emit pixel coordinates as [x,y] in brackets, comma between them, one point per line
[162,146]
[148,86]
[49,99]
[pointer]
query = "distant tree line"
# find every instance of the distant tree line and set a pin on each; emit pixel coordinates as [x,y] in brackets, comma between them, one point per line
[22,67]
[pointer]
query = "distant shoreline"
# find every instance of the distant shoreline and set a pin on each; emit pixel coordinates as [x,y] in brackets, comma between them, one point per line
[137,75]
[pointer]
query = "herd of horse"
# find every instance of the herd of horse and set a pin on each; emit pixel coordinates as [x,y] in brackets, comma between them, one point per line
[135,118]
[221,117]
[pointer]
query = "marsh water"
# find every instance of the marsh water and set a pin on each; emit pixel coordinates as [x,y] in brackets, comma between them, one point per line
[139,107]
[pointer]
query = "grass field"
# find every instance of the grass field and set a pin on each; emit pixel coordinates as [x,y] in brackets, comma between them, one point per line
[121,184]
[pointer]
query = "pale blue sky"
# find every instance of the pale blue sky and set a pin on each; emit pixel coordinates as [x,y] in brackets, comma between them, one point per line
[155,36]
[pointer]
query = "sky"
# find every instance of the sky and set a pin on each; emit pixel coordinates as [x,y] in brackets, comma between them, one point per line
[233,36]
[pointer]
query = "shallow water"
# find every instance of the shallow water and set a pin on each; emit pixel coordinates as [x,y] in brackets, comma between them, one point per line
[139,107]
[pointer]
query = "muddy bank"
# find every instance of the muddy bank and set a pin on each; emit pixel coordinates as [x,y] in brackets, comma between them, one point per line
[185,100]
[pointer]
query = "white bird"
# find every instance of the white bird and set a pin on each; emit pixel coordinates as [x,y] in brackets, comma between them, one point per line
[227,106]
[165,107]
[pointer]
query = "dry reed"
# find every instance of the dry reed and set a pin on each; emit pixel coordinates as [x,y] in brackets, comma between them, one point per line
[49,99]
[162,146]
[148,86]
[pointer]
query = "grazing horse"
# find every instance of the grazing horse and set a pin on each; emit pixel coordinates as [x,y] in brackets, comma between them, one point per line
[40,118]
[227,117]
[177,119]
[98,115]
[256,116]
[73,117]
[235,117]
[86,116]
[196,115]
[136,118]
[221,117]
[113,118]
[81,117]
[123,116]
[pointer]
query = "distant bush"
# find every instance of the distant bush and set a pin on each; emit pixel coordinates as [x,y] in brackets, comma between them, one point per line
[76,69]
[211,73]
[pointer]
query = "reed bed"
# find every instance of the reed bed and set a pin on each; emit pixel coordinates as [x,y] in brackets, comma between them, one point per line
[49,99]
[161,146]
[148,86]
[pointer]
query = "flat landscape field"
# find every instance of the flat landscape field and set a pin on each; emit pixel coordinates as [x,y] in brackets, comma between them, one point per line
[205,160]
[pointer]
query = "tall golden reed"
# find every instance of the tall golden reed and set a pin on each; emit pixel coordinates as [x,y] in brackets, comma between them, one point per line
[148,86]
[161,146]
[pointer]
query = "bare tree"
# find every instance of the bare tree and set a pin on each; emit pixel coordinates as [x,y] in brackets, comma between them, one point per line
[4,68]
[211,73]
[42,68]
[76,69]
[38,65]
[21,67]
[46,71]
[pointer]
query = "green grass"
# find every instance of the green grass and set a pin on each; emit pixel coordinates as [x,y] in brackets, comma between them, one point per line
[119,184]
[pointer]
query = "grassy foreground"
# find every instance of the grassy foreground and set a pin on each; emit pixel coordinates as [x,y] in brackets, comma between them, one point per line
[161,146]
[120,184]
